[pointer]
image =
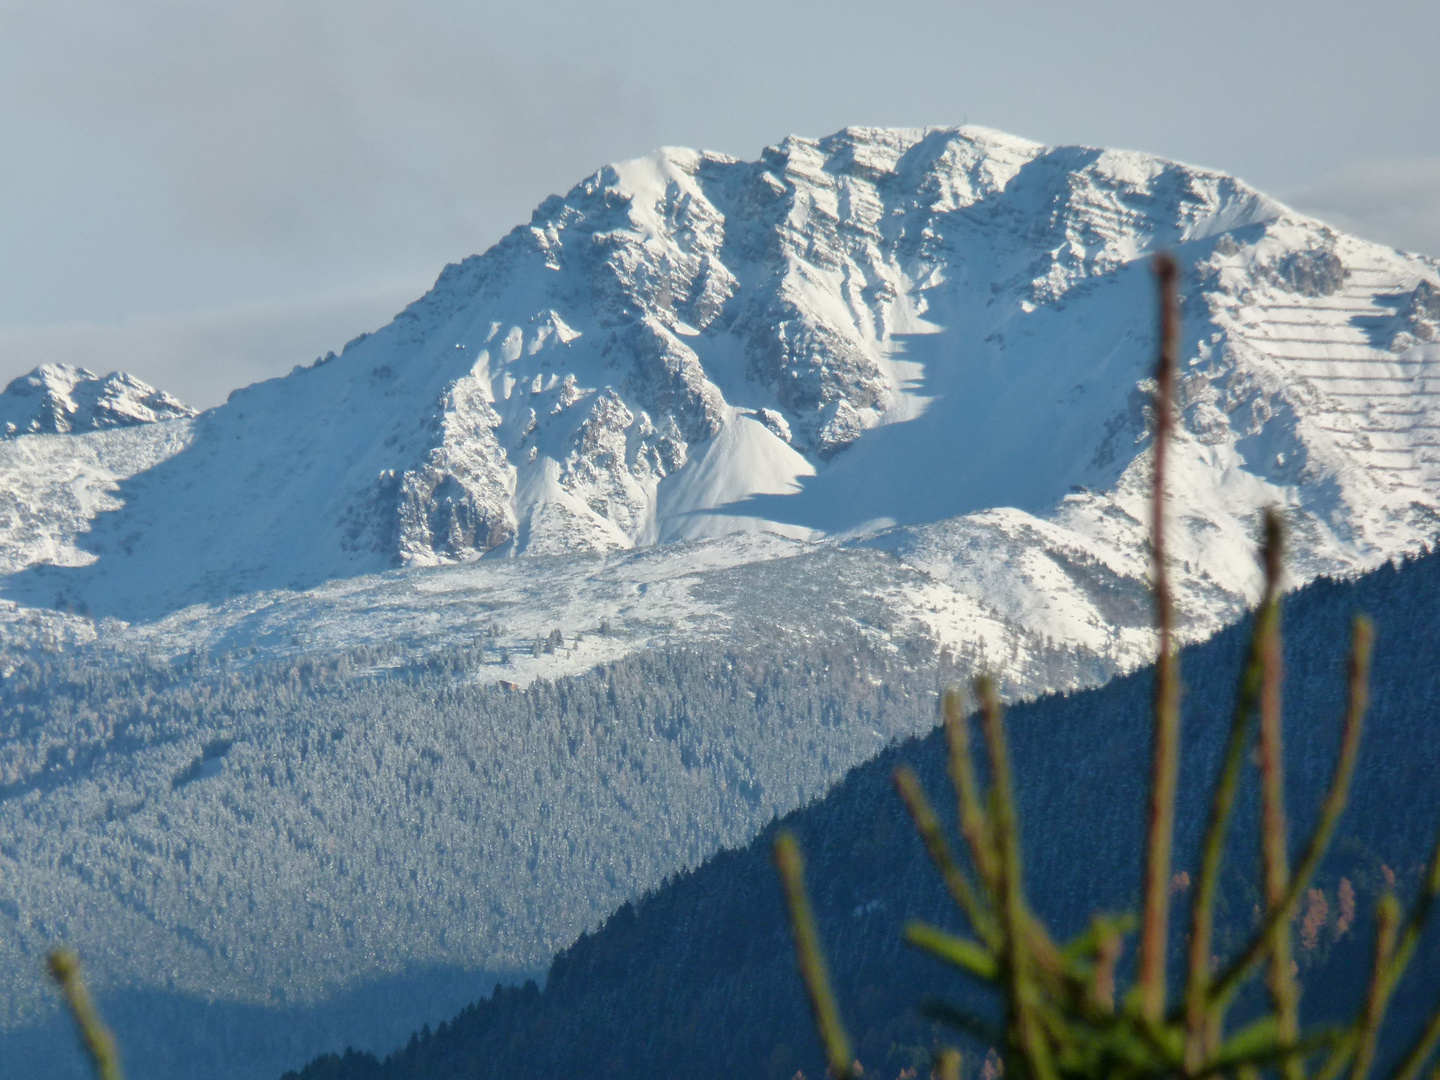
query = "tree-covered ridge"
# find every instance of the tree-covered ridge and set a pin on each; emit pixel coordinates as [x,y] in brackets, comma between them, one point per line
[698,979]
[279,835]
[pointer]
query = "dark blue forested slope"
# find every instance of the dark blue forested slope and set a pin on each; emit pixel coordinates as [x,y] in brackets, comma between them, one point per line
[698,979]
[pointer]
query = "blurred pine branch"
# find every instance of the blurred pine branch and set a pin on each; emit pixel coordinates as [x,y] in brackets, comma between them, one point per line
[99,1044]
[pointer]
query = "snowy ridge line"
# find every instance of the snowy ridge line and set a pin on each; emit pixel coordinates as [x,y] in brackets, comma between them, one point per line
[685,337]
[59,398]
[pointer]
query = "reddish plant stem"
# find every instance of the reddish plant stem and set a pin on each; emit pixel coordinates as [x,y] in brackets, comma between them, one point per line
[1165,750]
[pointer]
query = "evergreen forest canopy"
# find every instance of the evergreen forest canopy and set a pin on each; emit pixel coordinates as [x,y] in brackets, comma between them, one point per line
[698,979]
[252,837]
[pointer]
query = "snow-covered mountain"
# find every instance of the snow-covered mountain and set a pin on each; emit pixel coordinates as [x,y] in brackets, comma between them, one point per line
[891,384]
[58,398]
[877,328]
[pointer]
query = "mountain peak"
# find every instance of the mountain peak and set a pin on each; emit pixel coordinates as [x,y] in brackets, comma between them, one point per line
[901,326]
[59,399]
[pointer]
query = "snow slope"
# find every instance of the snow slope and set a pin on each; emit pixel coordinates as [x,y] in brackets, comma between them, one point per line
[53,486]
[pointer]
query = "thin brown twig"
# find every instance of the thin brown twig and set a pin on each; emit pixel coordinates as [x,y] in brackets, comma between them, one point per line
[974,823]
[1200,1029]
[1165,751]
[1274,832]
[1107,958]
[812,960]
[64,968]
[1387,917]
[1016,956]
[928,826]
[1277,918]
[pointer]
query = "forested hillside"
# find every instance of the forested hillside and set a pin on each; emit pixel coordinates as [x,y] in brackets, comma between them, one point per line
[698,979]
[275,843]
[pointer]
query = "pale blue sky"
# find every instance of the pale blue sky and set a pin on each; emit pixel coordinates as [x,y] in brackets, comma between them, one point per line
[206,193]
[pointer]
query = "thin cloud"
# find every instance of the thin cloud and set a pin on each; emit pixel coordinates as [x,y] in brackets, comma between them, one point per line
[292,123]
[1394,202]
[201,356]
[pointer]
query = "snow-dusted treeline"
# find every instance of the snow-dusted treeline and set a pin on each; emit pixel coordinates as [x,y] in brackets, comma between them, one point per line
[276,835]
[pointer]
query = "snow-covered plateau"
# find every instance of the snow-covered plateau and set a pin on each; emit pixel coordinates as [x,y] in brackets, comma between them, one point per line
[892,384]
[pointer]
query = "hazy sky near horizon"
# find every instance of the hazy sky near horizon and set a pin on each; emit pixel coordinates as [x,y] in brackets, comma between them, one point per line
[209,193]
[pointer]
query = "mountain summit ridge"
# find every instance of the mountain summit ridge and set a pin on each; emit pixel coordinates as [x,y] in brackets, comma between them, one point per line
[61,398]
[686,345]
